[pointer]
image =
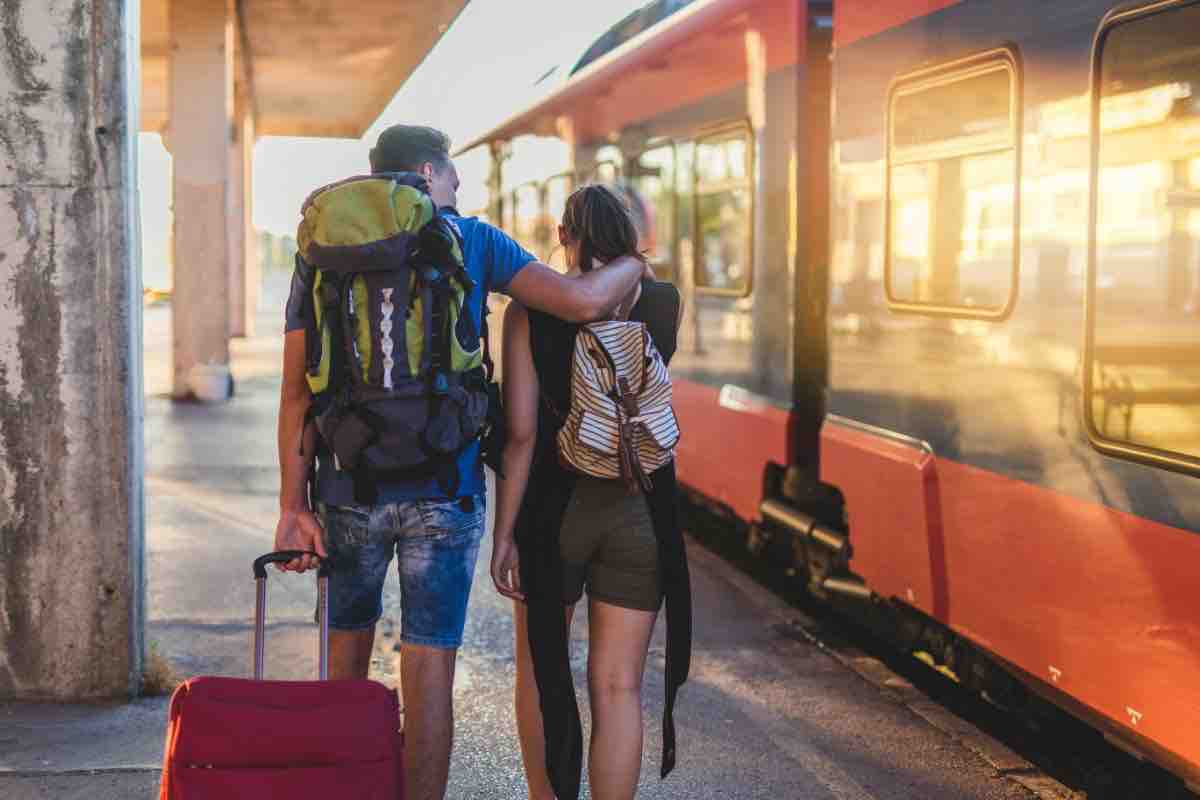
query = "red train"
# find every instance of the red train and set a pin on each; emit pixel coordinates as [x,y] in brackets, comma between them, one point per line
[942,352]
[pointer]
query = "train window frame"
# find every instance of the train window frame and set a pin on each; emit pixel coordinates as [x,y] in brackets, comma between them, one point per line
[673,146]
[539,187]
[723,132]
[1006,58]
[572,185]
[1107,445]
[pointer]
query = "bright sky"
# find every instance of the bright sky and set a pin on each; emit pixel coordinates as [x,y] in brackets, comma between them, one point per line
[482,71]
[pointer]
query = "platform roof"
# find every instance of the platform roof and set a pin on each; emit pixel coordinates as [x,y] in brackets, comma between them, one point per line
[311,67]
[691,53]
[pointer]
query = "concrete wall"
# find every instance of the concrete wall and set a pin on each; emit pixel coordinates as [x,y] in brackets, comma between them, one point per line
[70,369]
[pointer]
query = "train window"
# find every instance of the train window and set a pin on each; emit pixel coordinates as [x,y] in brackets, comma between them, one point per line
[1141,381]
[722,208]
[527,211]
[684,216]
[651,190]
[952,188]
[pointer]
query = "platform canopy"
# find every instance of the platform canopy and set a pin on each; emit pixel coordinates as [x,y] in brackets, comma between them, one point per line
[310,67]
[649,64]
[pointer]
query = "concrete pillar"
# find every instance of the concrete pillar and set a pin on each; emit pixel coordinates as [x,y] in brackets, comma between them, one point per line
[70,352]
[244,272]
[201,104]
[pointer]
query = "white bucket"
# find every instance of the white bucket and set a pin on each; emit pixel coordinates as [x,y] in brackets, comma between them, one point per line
[210,383]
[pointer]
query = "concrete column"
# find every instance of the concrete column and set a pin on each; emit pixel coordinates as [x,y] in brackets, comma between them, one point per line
[70,352]
[244,273]
[201,103]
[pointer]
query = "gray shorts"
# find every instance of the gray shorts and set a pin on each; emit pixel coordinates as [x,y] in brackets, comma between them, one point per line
[608,545]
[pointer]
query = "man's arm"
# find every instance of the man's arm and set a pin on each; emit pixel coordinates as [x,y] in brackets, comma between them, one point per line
[298,528]
[589,297]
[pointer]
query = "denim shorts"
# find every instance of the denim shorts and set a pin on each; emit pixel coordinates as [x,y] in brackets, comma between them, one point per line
[436,544]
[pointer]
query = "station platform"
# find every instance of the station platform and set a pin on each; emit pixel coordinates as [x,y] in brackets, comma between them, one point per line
[765,716]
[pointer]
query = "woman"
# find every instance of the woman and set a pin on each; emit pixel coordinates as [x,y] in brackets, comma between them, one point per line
[572,532]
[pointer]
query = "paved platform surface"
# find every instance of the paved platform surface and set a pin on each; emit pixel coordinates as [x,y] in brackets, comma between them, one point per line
[764,716]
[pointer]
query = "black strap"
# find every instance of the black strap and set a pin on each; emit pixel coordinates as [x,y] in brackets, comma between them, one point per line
[427,313]
[489,366]
[448,478]
[349,335]
[443,469]
[443,296]
[366,489]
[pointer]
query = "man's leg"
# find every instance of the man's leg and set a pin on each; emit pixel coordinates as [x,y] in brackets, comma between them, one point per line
[438,547]
[427,683]
[361,541]
[350,653]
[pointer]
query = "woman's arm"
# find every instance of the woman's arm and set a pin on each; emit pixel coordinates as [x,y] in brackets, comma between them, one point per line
[521,393]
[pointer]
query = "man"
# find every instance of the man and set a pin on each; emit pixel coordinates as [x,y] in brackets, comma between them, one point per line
[435,537]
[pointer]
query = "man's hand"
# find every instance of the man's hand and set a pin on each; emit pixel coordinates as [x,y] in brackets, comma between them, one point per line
[506,573]
[299,530]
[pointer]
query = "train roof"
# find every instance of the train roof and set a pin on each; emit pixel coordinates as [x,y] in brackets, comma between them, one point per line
[634,23]
[666,54]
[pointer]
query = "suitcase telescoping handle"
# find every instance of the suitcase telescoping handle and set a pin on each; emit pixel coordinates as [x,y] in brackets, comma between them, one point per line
[260,608]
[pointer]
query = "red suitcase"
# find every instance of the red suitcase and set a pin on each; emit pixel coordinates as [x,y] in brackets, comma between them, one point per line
[234,738]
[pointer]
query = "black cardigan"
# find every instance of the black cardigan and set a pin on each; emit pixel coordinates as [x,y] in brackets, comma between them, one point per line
[537,535]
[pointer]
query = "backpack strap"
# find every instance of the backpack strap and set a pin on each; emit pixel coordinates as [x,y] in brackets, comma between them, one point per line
[628,416]
[348,315]
[494,436]
[366,489]
[427,314]
[489,366]
[625,308]
[439,318]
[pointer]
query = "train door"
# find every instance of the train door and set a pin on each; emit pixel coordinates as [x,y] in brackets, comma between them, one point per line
[751,243]
[812,268]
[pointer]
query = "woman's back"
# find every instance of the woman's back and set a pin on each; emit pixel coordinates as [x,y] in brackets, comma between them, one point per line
[574,533]
[552,341]
[607,540]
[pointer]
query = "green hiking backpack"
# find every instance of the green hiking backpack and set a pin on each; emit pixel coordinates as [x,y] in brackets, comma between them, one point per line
[394,361]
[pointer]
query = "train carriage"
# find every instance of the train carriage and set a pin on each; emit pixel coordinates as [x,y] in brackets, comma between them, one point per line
[1015,343]
[941,261]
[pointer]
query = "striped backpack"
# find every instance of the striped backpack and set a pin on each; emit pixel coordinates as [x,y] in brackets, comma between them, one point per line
[620,423]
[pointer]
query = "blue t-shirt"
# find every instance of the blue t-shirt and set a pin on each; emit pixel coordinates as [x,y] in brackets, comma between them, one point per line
[492,259]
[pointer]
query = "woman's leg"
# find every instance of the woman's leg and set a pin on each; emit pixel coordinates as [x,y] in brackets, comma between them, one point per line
[617,642]
[529,712]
